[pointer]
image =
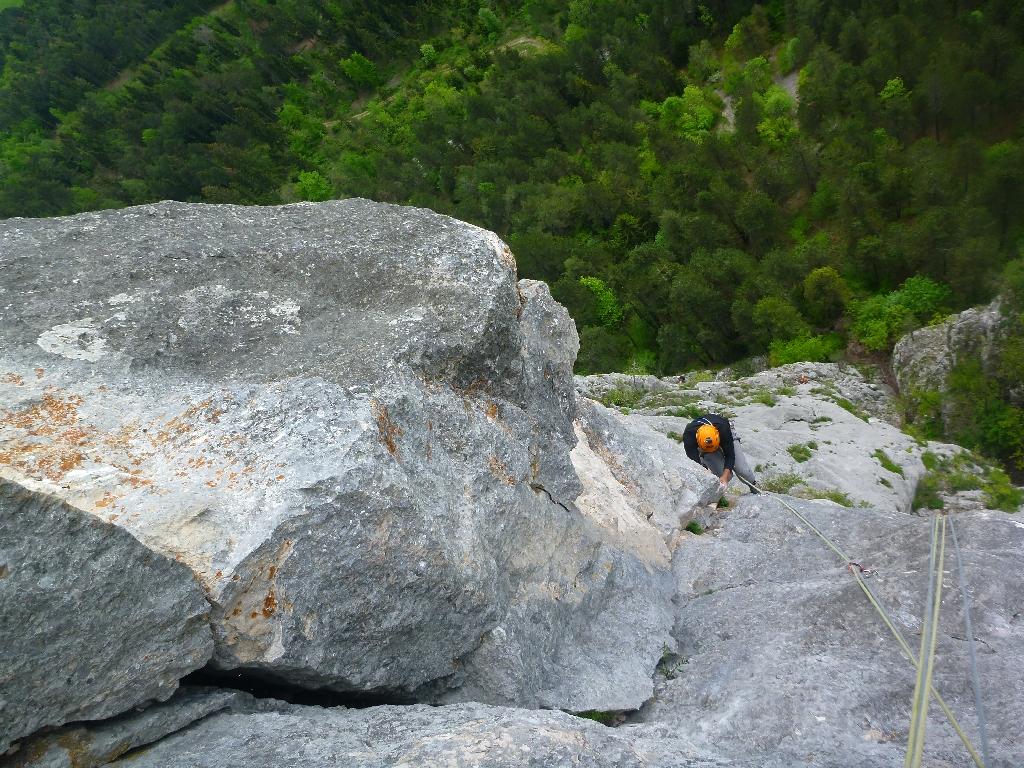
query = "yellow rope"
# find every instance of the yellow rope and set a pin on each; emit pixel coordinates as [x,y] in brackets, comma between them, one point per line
[930,662]
[890,624]
[920,695]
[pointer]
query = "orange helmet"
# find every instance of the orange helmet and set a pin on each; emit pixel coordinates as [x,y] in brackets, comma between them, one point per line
[707,438]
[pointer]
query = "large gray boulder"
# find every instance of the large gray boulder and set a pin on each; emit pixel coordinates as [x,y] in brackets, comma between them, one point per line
[349,421]
[92,622]
[278,735]
[90,745]
[786,659]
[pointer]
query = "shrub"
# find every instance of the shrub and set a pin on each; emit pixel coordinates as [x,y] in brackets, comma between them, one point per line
[804,348]
[621,398]
[888,463]
[927,494]
[694,527]
[827,293]
[361,71]
[314,187]
[607,308]
[429,54]
[799,452]
[1000,493]
[782,483]
[881,320]
[832,494]
[490,20]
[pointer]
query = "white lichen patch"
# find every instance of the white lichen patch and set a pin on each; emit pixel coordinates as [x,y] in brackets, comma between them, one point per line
[77,340]
[123,298]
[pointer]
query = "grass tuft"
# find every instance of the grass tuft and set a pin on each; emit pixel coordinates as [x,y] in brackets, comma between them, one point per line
[799,452]
[621,398]
[783,483]
[888,463]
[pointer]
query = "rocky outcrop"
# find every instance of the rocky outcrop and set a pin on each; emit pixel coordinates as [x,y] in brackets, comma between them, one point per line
[93,623]
[813,429]
[339,446]
[922,359]
[353,426]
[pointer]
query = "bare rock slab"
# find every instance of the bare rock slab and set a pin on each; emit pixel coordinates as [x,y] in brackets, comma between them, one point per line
[348,419]
[92,621]
[786,658]
[464,735]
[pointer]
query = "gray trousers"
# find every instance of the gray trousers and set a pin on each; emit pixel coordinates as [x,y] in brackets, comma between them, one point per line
[715,461]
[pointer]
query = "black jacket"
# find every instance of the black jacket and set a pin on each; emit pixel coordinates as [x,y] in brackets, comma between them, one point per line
[724,436]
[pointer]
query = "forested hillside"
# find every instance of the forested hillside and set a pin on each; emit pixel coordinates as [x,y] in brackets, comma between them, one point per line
[698,183]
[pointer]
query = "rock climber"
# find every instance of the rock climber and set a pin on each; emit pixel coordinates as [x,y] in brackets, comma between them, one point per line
[709,441]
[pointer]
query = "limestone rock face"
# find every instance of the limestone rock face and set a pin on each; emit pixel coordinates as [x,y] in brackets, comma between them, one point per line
[635,478]
[813,429]
[466,735]
[90,745]
[92,622]
[348,420]
[923,358]
[787,658]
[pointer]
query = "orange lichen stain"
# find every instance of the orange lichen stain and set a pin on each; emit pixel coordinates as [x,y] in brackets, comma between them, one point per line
[12,378]
[40,372]
[429,453]
[211,483]
[254,615]
[219,575]
[107,500]
[387,428]
[279,477]
[46,417]
[236,611]
[74,436]
[499,470]
[273,571]
[269,605]
[491,410]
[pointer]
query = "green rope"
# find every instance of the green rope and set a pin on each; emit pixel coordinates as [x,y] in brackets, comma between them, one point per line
[915,710]
[919,724]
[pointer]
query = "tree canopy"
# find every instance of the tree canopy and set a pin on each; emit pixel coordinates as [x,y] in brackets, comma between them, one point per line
[698,183]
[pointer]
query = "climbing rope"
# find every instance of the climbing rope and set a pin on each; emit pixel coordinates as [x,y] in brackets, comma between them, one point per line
[970,648]
[857,571]
[919,713]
